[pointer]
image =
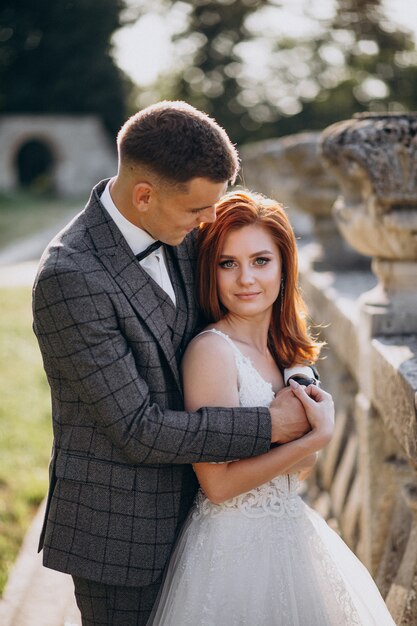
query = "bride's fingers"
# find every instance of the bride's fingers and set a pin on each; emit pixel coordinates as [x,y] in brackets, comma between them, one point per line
[310,395]
[300,392]
[309,390]
[315,392]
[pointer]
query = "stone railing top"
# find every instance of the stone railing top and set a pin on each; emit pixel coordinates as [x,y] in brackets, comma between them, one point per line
[290,169]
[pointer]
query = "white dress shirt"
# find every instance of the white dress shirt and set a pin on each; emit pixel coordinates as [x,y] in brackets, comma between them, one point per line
[155,263]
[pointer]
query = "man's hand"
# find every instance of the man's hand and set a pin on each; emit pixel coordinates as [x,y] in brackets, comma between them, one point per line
[288,417]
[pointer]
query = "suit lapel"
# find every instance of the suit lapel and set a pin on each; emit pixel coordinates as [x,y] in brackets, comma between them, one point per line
[185,255]
[116,255]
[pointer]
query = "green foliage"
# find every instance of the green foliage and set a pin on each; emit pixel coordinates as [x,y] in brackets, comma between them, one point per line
[376,59]
[211,81]
[353,61]
[55,57]
[25,431]
[23,213]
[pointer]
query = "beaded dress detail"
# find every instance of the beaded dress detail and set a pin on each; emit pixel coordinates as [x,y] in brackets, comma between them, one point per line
[264,558]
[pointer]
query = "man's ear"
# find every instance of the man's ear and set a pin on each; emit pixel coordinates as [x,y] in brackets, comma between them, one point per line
[142,195]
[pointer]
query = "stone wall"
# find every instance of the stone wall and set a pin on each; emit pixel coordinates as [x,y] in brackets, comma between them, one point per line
[365,482]
[81,152]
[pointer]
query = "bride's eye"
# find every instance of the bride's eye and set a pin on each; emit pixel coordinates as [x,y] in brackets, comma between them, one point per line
[227,264]
[261,260]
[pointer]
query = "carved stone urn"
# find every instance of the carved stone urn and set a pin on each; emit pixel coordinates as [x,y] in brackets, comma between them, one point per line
[374,157]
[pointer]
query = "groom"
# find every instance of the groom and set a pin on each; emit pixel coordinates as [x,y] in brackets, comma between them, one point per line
[113,312]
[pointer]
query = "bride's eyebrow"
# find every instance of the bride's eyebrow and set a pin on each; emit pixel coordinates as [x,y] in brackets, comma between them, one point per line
[230,256]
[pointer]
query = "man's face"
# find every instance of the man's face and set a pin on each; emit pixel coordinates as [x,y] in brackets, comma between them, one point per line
[172,214]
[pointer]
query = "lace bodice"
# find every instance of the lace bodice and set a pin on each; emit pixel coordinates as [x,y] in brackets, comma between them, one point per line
[277,497]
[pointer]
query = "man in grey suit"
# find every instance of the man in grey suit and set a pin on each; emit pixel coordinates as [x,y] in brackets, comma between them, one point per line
[113,312]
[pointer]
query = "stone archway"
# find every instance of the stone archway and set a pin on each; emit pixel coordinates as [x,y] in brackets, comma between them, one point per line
[34,164]
[67,152]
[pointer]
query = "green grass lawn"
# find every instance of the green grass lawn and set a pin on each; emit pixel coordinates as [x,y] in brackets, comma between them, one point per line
[25,424]
[22,214]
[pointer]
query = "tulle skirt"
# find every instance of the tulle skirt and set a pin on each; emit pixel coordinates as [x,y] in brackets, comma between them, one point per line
[277,569]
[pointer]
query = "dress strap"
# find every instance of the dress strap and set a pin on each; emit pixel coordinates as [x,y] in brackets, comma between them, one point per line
[238,354]
[253,389]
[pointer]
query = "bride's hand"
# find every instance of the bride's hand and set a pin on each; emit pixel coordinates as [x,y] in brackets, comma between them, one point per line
[319,408]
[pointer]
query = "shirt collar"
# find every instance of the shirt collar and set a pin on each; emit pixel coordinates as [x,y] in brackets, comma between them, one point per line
[137,238]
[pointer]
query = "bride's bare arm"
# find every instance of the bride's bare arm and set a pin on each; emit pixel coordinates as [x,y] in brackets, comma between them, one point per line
[304,467]
[210,379]
[209,373]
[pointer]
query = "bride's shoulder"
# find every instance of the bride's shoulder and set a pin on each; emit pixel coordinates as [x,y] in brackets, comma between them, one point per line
[210,347]
[209,373]
[211,338]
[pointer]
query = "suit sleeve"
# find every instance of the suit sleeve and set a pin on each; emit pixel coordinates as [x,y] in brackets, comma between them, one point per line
[89,361]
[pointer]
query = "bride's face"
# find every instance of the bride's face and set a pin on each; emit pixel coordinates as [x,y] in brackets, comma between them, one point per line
[249,272]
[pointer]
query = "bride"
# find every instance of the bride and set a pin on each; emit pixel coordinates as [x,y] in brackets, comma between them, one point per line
[252,552]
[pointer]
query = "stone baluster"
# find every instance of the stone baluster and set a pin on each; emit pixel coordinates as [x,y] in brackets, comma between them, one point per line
[402,596]
[374,158]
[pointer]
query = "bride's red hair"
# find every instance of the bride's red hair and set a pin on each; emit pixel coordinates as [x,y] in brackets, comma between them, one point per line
[289,339]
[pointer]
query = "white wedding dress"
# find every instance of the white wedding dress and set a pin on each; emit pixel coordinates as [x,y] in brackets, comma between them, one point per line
[264,558]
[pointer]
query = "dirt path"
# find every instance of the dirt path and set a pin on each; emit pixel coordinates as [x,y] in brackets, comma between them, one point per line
[35,595]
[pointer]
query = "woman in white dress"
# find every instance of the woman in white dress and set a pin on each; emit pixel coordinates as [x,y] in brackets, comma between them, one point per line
[252,552]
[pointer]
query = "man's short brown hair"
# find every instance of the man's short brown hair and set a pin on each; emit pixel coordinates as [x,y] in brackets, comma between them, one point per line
[178,142]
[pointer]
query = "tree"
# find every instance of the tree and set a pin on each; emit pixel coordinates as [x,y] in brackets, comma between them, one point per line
[359,63]
[210,78]
[353,61]
[55,57]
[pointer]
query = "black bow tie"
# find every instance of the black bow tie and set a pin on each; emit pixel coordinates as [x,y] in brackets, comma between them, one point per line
[154,246]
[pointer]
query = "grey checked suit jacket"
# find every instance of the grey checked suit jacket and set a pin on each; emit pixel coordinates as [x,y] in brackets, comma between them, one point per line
[120,476]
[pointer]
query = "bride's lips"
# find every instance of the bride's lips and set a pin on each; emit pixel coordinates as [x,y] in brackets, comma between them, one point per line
[247,296]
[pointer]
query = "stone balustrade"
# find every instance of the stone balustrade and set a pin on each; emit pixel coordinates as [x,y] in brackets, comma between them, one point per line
[374,157]
[365,482]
